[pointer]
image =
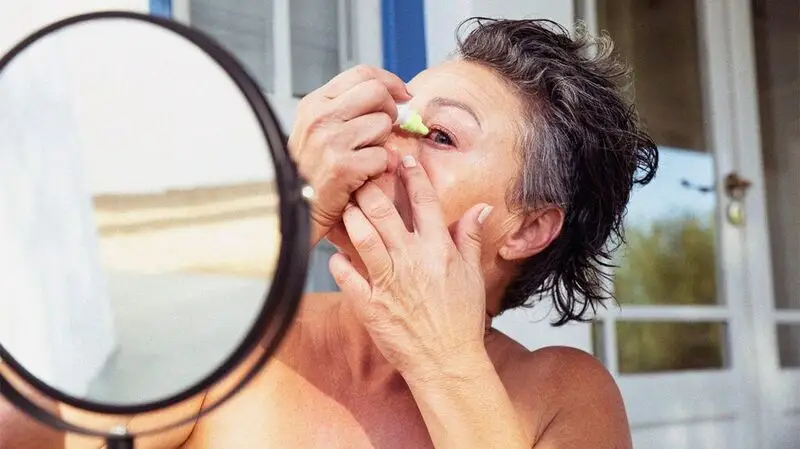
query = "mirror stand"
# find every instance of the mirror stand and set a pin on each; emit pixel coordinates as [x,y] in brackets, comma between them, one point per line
[119,442]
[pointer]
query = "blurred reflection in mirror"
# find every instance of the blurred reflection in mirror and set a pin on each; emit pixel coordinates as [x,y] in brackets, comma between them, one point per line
[140,224]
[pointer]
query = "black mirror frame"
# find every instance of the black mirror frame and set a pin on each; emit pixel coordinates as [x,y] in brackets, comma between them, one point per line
[282,299]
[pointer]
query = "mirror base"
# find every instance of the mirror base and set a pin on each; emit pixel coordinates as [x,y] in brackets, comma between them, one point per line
[120,442]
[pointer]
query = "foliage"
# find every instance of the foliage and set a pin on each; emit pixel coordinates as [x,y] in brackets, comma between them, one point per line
[670,263]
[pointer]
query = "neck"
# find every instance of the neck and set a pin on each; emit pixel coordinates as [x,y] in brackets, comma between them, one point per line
[347,340]
[497,275]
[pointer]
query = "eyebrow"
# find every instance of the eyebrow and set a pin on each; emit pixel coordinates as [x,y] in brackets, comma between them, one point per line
[449,102]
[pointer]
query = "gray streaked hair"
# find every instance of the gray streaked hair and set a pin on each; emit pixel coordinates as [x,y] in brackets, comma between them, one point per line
[582,148]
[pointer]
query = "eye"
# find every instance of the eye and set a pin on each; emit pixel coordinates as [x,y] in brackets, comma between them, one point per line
[440,137]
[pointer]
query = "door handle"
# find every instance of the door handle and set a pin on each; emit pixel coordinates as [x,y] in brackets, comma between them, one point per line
[736,188]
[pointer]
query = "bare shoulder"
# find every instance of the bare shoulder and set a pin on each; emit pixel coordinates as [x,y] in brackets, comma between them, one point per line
[567,395]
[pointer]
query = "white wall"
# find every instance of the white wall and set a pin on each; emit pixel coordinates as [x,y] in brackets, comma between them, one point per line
[442,17]
[18,19]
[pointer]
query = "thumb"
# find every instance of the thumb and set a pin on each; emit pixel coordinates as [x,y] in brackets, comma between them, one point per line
[348,278]
[467,234]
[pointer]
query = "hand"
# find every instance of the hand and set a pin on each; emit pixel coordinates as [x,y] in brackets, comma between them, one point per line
[338,136]
[424,301]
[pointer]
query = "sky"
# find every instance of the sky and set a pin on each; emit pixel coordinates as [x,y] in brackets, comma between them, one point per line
[665,196]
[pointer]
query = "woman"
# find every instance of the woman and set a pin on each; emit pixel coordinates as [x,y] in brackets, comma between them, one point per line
[514,194]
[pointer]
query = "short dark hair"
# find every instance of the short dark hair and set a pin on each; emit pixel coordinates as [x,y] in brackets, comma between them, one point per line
[582,148]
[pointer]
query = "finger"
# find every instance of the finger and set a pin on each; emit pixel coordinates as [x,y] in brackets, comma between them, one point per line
[369,162]
[346,174]
[349,280]
[368,130]
[468,231]
[425,206]
[381,212]
[368,96]
[358,74]
[368,244]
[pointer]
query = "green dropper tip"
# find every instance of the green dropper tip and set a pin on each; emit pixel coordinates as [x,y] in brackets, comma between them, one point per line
[414,125]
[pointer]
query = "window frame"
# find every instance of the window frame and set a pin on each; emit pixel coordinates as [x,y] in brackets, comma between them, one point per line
[360,43]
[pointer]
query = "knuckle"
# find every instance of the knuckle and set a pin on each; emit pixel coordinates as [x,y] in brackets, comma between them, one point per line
[384,123]
[367,242]
[336,166]
[341,172]
[316,127]
[423,197]
[380,211]
[375,88]
[339,166]
[364,71]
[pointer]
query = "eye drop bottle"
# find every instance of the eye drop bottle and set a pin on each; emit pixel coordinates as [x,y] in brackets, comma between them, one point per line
[410,120]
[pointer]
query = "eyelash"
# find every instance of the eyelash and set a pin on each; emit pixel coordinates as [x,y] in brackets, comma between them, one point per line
[435,130]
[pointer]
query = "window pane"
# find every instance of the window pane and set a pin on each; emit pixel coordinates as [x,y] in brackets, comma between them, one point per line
[243,27]
[789,345]
[315,43]
[653,346]
[776,25]
[670,257]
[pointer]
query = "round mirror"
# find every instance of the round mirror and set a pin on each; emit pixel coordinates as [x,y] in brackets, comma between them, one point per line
[153,230]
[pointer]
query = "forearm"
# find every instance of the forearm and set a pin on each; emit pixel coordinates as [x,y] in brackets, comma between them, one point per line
[465,405]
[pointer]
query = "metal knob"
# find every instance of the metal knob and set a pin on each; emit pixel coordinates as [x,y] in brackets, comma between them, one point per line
[736,188]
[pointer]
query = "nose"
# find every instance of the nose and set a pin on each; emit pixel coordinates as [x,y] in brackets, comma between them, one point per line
[399,145]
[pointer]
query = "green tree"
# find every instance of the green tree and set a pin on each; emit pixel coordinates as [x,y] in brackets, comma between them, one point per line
[671,262]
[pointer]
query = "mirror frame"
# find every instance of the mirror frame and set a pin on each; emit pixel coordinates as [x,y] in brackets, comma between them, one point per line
[285,291]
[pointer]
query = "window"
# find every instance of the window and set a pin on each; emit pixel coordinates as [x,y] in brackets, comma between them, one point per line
[293,60]
[317,37]
[245,28]
[674,315]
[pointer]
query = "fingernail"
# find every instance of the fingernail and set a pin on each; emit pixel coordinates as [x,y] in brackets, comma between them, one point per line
[409,161]
[484,214]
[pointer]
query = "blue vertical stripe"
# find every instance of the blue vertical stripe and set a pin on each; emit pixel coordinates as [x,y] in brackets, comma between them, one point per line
[161,8]
[404,48]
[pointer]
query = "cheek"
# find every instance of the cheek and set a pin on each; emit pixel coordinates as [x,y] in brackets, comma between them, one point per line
[462,181]
[448,179]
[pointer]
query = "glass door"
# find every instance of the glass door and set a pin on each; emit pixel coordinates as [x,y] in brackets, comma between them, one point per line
[677,343]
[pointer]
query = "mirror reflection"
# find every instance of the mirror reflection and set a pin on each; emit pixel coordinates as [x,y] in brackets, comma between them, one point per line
[140,224]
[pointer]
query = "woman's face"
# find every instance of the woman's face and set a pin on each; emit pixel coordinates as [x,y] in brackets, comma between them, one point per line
[470,154]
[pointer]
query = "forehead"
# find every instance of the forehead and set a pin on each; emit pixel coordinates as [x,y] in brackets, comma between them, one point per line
[479,87]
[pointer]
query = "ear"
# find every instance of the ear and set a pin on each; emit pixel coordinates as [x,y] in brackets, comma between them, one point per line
[533,234]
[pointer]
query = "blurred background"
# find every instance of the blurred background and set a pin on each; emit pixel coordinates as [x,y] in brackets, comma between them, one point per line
[705,340]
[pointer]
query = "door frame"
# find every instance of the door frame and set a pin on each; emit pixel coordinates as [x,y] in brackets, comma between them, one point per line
[778,389]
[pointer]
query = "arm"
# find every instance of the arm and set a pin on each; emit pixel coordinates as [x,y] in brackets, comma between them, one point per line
[465,404]
[577,397]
